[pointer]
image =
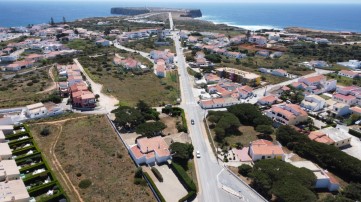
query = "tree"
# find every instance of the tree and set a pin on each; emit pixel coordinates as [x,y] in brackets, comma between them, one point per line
[353,191]
[147,111]
[52,21]
[45,131]
[198,75]
[181,152]
[97,96]
[265,129]
[249,114]
[128,117]
[244,169]
[64,20]
[150,129]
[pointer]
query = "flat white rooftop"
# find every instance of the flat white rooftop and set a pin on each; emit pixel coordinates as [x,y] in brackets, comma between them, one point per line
[306,164]
[13,188]
[336,134]
[9,167]
[5,149]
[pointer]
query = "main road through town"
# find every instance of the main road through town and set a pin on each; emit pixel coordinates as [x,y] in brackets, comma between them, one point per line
[215,183]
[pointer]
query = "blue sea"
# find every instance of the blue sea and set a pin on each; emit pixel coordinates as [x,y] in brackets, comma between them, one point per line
[337,17]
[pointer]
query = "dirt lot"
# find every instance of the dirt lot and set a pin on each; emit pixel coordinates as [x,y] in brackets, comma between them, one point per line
[21,90]
[248,135]
[88,148]
[170,122]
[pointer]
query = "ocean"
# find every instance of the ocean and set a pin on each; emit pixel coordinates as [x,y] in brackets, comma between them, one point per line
[335,17]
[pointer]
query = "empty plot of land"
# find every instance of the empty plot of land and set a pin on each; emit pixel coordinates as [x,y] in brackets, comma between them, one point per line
[89,151]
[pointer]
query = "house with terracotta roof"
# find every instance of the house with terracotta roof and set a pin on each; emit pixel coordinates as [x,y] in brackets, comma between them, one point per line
[313,102]
[264,149]
[160,68]
[268,100]
[211,78]
[331,136]
[74,80]
[349,74]
[244,92]
[279,72]
[318,84]
[320,137]
[218,103]
[236,75]
[346,99]
[263,53]
[130,63]
[238,39]
[288,114]
[150,151]
[324,180]
[356,110]
[83,99]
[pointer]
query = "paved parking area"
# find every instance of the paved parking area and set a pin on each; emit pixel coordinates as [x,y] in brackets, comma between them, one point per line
[171,188]
[129,138]
[355,149]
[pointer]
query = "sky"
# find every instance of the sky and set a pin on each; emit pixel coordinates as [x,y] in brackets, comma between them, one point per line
[230,1]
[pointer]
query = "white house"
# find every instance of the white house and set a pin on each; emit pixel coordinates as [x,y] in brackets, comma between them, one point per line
[352,64]
[339,109]
[36,110]
[259,40]
[289,114]
[279,72]
[103,42]
[218,103]
[323,179]
[14,191]
[349,74]
[313,102]
[150,151]
[5,152]
[9,170]
[339,136]
[268,100]
[264,149]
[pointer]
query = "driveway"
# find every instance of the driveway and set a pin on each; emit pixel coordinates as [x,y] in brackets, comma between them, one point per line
[171,188]
[107,103]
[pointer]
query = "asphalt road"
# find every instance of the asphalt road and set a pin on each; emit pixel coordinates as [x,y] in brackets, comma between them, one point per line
[215,183]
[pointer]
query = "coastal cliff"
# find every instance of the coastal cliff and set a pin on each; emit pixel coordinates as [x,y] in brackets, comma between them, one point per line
[193,13]
[129,11]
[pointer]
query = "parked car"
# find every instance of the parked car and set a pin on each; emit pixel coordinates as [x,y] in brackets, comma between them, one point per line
[192,122]
[198,154]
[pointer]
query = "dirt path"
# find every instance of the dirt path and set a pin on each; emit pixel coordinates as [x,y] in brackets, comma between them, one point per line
[106,102]
[53,84]
[65,178]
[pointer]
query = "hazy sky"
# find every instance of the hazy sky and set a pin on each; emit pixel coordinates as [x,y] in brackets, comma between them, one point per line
[215,1]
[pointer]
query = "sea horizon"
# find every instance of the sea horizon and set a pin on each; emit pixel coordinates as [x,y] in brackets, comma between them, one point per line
[253,16]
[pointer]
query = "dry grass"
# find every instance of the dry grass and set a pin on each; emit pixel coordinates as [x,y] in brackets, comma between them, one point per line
[21,90]
[170,122]
[88,148]
[248,135]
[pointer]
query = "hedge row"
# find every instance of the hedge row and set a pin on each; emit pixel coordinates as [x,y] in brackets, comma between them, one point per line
[160,196]
[183,177]
[189,197]
[184,121]
[355,133]
[186,181]
[157,174]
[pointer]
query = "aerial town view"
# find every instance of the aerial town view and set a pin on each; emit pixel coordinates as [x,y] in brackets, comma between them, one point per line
[157,101]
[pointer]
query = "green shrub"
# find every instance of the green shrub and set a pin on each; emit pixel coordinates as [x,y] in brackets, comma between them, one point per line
[244,169]
[157,174]
[45,131]
[355,133]
[183,177]
[138,173]
[189,197]
[85,183]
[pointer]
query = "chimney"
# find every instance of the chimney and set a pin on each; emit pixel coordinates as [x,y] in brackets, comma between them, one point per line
[147,149]
[158,145]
